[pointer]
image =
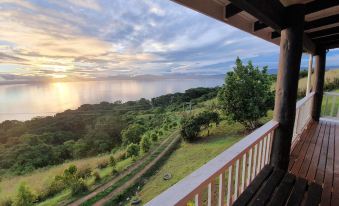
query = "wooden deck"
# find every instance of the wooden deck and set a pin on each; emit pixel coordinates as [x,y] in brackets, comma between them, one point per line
[316,158]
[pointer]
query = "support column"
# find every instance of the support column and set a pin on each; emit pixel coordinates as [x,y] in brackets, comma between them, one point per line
[287,85]
[319,77]
[309,74]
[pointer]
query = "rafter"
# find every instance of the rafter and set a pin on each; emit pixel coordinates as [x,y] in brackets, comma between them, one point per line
[231,10]
[324,32]
[322,22]
[258,26]
[318,5]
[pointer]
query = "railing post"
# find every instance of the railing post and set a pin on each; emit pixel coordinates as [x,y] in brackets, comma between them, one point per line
[319,76]
[309,74]
[291,42]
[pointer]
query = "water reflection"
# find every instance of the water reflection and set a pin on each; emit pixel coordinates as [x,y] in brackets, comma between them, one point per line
[23,102]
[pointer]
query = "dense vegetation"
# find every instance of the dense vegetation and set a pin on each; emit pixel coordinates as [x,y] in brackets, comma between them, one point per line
[86,131]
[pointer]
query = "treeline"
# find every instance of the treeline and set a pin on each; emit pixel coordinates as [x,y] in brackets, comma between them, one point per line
[195,95]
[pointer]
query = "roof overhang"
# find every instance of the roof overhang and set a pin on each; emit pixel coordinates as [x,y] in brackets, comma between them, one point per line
[266,18]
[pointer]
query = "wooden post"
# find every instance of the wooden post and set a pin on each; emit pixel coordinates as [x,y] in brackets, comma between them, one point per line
[309,74]
[319,77]
[291,43]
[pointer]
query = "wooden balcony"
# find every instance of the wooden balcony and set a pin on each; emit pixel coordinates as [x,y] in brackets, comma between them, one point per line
[224,179]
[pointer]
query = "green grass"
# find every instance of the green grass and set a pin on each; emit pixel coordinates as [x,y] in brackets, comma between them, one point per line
[329,76]
[330,104]
[191,156]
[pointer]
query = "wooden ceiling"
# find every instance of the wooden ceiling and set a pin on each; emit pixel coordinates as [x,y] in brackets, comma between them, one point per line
[266,18]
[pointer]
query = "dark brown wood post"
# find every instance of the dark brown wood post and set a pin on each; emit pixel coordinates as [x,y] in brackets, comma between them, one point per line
[319,77]
[287,85]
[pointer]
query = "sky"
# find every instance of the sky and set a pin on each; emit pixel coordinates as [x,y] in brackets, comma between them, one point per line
[80,39]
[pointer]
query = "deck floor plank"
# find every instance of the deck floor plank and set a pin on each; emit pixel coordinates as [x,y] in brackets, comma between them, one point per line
[319,178]
[328,180]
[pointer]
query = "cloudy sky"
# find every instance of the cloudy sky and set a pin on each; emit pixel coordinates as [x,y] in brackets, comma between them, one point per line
[93,39]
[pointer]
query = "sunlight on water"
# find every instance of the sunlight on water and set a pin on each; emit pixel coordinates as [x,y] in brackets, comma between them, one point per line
[23,102]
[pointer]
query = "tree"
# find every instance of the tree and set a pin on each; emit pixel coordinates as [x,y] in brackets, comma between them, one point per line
[24,196]
[132,150]
[72,180]
[246,95]
[145,143]
[132,134]
[191,126]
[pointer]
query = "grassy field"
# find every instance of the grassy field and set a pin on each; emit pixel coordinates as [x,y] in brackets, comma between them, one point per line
[190,156]
[329,76]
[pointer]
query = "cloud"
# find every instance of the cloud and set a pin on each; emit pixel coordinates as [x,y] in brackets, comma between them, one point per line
[100,38]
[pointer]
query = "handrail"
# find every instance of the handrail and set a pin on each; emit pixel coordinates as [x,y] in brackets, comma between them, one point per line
[237,159]
[331,105]
[302,117]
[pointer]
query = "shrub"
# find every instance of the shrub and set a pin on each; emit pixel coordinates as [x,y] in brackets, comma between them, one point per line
[84,172]
[96,176]
[132,134]
[72,181]
[6,202]
[132,150]
[160,133]
[112,161]
[192,125]
[154,137]
[246,95]
[102,164]
[115,172]
[24,196]
[52,188]
[145,143]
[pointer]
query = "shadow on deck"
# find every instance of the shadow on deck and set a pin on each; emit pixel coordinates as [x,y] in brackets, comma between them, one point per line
[316,158]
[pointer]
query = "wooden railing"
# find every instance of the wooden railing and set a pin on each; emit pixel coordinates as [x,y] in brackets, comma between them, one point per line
[331,105]
[223,179]
[303,116]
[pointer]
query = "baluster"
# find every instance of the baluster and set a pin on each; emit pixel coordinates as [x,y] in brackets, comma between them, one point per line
[249,166]
[325,110]
[198,199]
[333,105]
[211,195]
[269,145]
[229,186]
[236,180]
[221,189]
[259,157]
[243,173]
[254,161]
[263,159]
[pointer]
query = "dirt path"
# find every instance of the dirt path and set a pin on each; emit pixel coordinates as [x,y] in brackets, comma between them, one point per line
[121,175]
[137,176]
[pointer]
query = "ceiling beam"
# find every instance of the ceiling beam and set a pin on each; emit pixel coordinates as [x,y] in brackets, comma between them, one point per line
[327,39]
[322,22]
[275,35]
[318,5]
[258,26]
[325,32]
[270,12]
[231,10]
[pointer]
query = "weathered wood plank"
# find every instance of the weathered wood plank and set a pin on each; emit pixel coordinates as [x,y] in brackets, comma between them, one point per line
[282,193]
[315,158]
[253,188]
[328,180]
[313,195]
[298,192]
[319,178]
[308,158]
[266,191]
[335,192]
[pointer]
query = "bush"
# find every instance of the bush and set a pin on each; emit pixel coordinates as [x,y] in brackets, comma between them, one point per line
[72,181]
[96,176]
[132,150]
[84,172]
[191,126]
[102,164]
[115,172]
[24,196]
[145,143]
[154,137]
[6,202]
[246,95]
[112,161]
[132,134]
[52,188]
